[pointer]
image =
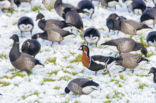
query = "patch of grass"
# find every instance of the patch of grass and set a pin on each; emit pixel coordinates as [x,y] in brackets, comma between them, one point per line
[142,86]
[119,85]
[51,60]
[118,94]
[76,101]
[81,35]
[18,74]
[77,59]
[90,78]
[53,72]
[150,54]
[66,71]
[102,29]
[4,84]
[121,77]
[142,75]
[72,53]
[83,42]
[74,73]
[69,66]
[142,42]
[4,77]
[116,81]
[48,80]
[3,56]
[15,23]
[107,96]
[104,73]
[109,101]
[65,78]
[57,88]
[82,71]
[36,8]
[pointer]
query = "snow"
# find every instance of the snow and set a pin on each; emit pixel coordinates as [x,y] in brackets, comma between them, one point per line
[46,84]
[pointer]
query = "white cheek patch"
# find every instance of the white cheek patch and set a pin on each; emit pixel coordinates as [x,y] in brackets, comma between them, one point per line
[112,4]
[92,40]
[148,22]
[152,43]
[89,89]
[90,11]
[25,28]
[5,5]
[137,11]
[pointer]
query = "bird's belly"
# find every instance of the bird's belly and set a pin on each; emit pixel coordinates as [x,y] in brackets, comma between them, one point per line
[148,22]
[55,38]
[142,31]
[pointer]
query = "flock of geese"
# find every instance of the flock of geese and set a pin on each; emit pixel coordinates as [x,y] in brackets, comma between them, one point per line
[53,30]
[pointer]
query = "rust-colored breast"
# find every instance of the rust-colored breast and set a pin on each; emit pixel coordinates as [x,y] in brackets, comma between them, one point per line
[85,60]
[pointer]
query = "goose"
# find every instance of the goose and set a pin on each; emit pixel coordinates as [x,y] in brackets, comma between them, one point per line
[151,38]
[53,35]
[153,70]
[25,24]
[81,86]
[86,5]
[125,45]
[73,18]
[31,46]
[128,60]
[50,23]
[95,62]
[21,61]
[91,36]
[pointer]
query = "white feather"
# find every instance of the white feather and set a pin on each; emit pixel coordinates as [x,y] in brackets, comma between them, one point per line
[152,43]
[92,40]
[142,31]
[137,11]
[148,22]
[89,89]
[25,28]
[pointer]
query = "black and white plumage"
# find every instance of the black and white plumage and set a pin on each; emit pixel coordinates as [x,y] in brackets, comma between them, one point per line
[96,62]
[151,38]
[73,18]
[81,86]
[21,61]
[6,4]
[128,60]
[18,2]
[50,23]
[25,24]
[91,36]
[125,45]
[31,46]
[138,6]
[153,70]
[86,5]
[149,16]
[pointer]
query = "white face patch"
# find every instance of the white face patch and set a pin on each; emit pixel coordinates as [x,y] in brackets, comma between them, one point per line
[5,4]
[92,40]
[137,11]
[89,89]
[148,22]
[25,28]
[112,4]
[90,11]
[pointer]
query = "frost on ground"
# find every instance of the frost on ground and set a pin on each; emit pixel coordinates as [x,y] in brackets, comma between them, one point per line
[63,63]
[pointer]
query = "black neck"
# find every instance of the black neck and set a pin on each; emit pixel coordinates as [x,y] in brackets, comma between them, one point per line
[42,23]
[14,53]
[57,3]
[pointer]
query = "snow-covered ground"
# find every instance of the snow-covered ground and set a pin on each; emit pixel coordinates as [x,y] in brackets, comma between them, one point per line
[62,63]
